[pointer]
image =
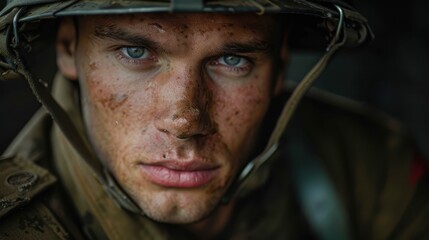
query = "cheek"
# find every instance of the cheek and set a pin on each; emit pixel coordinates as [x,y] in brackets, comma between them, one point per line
[111,93]
[241,110]
[112,108]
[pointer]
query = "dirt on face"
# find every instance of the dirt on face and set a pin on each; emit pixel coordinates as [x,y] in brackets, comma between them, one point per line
[173,104]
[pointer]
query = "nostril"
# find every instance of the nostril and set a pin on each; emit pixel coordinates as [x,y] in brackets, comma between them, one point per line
[185,121]
[183,136]
[183,129]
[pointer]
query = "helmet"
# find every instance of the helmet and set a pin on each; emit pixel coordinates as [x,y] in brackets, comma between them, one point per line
[313,21]
[324,25]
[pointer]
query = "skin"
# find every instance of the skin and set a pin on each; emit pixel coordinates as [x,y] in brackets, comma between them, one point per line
[180,102]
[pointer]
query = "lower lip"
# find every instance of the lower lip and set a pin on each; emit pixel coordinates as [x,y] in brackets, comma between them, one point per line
[180,179]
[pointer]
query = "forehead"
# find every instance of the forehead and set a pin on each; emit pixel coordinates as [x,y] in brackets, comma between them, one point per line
[190,23]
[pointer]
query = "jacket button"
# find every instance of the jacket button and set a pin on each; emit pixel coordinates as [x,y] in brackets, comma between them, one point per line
[22,180]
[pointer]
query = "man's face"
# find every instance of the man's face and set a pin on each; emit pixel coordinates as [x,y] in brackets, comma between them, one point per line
[173,104]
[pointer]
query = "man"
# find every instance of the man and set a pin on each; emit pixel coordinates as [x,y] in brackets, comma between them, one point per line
[161,128]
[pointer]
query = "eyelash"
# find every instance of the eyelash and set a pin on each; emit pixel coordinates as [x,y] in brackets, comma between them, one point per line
[246,67]
[238,69]
[134,61]
[152,59]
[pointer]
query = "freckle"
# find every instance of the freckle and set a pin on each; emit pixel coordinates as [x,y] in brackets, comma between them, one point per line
[144,130]
[124,114]
[93,65]
[93,83]
[236,112]
[115,101]
[183,28]
[164,156]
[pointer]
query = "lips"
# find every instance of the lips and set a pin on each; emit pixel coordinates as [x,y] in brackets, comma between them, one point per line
[179,174]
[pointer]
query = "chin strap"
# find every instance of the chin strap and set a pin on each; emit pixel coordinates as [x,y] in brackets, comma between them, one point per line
[246,175]
[43,95]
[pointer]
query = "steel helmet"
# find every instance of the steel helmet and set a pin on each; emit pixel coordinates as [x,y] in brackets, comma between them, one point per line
[25,26]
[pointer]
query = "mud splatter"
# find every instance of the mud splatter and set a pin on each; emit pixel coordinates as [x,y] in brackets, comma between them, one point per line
[114,101]
[158,27]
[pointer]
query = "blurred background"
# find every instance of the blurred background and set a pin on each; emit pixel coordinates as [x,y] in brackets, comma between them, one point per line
[391,74]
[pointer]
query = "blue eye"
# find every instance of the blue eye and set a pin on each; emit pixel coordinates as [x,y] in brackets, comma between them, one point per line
[230,66]
[232,61]
[135,52]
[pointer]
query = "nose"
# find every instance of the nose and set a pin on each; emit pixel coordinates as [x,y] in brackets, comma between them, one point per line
[186,102]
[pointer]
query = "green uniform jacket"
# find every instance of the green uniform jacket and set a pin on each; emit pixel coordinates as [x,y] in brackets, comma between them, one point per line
[46,191]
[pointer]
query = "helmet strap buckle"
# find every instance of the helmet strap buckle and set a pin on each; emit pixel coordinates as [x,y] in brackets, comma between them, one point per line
[15,21]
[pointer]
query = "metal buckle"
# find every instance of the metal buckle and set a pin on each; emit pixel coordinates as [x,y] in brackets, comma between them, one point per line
[15,21]
[338,31]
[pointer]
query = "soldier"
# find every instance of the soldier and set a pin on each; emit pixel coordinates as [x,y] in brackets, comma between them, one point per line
[167,122]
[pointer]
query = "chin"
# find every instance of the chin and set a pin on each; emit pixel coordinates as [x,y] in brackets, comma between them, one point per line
[179,217]
[179,208]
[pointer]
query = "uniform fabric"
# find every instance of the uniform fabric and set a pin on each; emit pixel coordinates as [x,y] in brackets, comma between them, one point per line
[367,156]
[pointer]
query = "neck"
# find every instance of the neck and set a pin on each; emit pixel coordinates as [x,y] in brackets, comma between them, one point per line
[214,224]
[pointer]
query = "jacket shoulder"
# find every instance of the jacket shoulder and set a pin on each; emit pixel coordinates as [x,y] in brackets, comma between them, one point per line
[22,213]
[21,182]
[330,105]
[371,159]
[34,221]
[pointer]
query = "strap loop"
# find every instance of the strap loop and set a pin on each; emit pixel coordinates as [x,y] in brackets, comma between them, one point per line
[15,39]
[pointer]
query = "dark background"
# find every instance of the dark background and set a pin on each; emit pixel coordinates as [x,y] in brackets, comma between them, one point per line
[391,74]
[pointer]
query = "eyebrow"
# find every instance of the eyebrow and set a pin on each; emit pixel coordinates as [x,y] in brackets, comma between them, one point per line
[249,47]
[115,33]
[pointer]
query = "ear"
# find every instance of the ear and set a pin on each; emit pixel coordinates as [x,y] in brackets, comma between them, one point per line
[66,48]
[283,61]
